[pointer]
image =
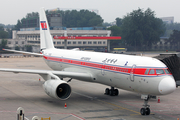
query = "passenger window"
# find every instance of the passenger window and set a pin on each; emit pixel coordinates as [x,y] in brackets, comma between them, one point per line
[147,71]
[167,71]
[159,71]
[151,71]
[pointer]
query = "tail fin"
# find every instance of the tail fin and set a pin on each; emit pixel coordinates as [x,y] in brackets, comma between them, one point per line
[46,38]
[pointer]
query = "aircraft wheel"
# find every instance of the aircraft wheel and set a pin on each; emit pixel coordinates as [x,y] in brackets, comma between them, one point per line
[116,92]
[143,111]
[111,92]
[107,91]
[148,111]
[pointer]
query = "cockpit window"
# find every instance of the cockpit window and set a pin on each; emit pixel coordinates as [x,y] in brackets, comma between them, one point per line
[160,71]
[157,71]
[151,71]
[167,71]
[147,71]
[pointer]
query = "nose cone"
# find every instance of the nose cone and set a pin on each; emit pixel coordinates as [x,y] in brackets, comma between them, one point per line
[167,85]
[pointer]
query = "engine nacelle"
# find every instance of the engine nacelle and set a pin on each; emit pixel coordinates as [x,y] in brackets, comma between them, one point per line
[57,89]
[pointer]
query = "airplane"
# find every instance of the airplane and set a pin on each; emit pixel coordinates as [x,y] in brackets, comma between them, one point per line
[144,75]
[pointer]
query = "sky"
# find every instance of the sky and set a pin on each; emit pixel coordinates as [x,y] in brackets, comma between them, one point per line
[109,10]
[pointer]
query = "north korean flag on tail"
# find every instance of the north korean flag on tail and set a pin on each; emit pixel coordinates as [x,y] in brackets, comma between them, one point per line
[43,25]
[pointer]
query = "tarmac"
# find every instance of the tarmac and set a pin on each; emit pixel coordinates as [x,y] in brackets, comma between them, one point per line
[87,101]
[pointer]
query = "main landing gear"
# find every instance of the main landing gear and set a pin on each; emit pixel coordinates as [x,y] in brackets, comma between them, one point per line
[145,110]
[111,92]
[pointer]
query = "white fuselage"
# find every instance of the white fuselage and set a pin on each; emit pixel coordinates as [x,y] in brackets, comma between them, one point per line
[133,73]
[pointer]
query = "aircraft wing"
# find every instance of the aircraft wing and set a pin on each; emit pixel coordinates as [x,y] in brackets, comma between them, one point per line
[30,53]
[48,74]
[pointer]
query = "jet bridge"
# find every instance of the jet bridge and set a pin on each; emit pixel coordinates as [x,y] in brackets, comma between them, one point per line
[172,61]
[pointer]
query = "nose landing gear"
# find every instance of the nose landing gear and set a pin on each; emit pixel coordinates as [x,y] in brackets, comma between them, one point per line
[145,110]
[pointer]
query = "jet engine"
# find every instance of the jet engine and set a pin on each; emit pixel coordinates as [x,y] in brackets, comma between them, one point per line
[57,89]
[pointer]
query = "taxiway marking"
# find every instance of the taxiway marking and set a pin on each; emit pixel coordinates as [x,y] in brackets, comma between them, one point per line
[120,107]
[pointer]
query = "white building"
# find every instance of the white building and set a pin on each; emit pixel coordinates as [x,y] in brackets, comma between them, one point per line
[22,38]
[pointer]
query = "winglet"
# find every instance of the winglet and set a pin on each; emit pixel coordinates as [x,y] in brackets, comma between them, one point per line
[46,38]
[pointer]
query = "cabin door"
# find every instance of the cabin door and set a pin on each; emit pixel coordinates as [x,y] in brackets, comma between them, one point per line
[132,73]
[103,68]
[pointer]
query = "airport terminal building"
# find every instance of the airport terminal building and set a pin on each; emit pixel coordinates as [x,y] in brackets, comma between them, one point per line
[32,37]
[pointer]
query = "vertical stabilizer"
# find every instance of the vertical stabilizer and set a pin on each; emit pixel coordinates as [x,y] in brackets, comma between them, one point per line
[45,36]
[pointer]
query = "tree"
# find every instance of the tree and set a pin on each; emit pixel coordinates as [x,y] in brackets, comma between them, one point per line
[82,18]
[3,44]
[141,29]
[3,34]
[74,18]
[118,22]
[115,31]
[33,14]
[18,25]
[170,28]
[175,38]
[9,33]
[1,28]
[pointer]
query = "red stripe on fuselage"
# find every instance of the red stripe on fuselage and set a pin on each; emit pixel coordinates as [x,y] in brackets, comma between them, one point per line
[137,71]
